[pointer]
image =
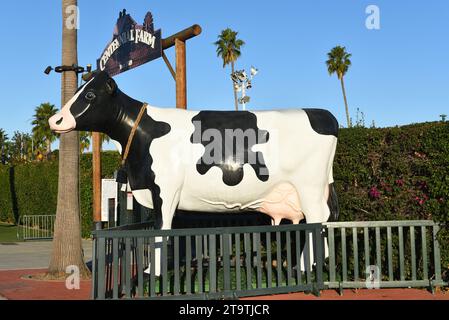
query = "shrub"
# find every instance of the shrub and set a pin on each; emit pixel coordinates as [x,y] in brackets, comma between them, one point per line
[32,188]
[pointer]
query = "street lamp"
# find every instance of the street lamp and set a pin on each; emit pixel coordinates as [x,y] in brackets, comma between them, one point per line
[242,83]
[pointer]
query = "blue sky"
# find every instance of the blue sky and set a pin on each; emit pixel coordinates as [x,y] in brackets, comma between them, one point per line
[400,73]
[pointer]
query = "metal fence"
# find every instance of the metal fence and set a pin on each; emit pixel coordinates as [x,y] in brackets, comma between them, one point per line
[209,263]
[39,227]
[216,263]
[383,254]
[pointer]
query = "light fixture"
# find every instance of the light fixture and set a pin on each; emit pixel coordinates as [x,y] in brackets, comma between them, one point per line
[48,70]
[254,71]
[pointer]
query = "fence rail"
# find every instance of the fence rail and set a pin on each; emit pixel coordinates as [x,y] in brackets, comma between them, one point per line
[36,227]
[383,254]
[208,263]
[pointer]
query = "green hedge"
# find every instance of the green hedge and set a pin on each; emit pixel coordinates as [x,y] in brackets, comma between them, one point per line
[399,173]
[31,189]
[393,173]
[380,174]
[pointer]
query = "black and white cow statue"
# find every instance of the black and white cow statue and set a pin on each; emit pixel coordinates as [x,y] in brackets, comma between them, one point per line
[277,162]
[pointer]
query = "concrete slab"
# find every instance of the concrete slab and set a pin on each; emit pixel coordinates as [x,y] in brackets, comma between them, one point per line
[32,254]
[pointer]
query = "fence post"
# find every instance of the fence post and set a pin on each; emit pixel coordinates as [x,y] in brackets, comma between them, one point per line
[94,290]
[436,253]
[319,254]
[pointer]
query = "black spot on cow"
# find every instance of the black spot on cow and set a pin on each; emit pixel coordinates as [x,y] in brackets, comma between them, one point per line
[139,162]
[228,138]
[322,122]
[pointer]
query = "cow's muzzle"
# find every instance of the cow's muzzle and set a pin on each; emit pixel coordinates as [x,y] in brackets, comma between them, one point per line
[62,122]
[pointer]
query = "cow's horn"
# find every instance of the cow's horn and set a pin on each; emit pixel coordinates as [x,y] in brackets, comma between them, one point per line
[89,75]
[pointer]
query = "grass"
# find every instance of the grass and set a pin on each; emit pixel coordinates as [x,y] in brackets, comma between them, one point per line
[8,233]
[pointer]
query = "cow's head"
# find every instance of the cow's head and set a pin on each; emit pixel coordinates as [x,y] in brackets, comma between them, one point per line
[89,108]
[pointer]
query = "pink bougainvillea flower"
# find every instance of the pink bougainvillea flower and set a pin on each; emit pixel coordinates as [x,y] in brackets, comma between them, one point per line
[374,193]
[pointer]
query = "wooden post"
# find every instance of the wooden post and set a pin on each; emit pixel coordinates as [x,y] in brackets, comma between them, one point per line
[96,178]
[181,79]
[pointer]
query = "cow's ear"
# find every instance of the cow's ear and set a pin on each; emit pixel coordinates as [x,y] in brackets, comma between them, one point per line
[111,86]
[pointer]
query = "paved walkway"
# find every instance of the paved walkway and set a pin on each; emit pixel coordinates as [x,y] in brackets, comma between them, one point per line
[15,286]
[32,254]
[362,294]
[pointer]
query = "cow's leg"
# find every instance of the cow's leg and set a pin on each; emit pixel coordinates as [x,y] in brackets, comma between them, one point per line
[168,208]
[315,208]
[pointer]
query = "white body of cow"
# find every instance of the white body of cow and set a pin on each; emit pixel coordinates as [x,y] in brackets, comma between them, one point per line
[299,161]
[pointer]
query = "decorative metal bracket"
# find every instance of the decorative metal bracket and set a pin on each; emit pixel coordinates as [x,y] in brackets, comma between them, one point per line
[75,68]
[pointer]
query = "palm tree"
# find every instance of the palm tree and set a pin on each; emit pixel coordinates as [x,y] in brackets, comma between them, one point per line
[228,48]
[86,138]
[21,147]
[41,128]
[4,147]
[84,141]
[67,247]
[339,63]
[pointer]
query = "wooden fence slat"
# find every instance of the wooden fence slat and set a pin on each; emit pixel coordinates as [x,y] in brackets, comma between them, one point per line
[258,246]
[331,239]
[107,267]
[164,257]
[95,286]
[177,278]
[367,249]
[248,259]
[378,253]
[343,254]
[436,253]
[390,254]
[188,265]
[269,261]
[152,267]
[355,249]
[413,251]
[226,262]
[128,261]
[115,268]
[199,262]
[278,259]
[298,259]
[289,259]
[139,266]
[401,253]
[212,263]
[122,266]
[319,256]
[238,271]
[307,258]
[424,253]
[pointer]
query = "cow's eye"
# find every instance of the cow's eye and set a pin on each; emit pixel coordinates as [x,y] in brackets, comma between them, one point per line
[90,96]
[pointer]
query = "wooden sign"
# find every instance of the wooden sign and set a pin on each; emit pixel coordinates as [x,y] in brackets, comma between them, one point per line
[132,45]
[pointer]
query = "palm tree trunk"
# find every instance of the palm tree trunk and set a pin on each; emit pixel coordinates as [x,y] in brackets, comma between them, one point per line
[48,142]
[67,246]
[233,89]
[348,119]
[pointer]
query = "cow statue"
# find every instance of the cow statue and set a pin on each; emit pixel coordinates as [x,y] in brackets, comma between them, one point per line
[276,162]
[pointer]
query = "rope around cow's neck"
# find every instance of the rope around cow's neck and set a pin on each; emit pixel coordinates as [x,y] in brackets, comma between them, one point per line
[133,131]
